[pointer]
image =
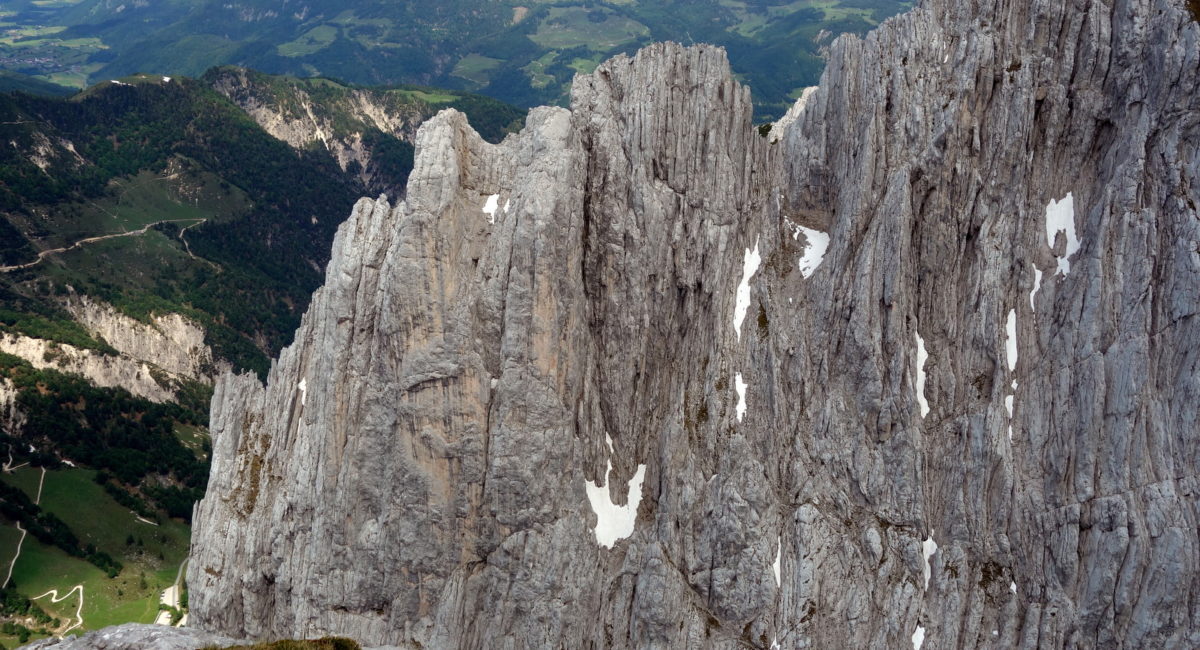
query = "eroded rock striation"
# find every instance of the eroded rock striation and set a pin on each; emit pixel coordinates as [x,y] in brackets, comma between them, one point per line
[171,342]
[847,379]
[105,370]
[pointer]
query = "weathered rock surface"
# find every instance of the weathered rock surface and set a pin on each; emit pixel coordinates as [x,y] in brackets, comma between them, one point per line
[105,370]
[141,636]
[172,342]
[151,361]
[11,418]
[924,432]
[136,636]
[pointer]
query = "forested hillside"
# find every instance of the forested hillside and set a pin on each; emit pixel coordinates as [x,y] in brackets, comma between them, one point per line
[240,222]
[175,154]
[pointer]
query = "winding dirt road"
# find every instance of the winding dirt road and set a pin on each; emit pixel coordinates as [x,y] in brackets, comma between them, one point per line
[53,593]
[15,555]
[91,240]
[55,598]
[36,501]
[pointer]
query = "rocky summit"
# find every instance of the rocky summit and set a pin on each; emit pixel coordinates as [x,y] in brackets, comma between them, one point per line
[917,367]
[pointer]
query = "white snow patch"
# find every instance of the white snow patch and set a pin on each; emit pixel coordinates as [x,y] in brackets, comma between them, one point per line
[166,80]
[1008,404]
[918,638]
[614,522]
[922,357]
[740,387]
[303,388]
[118,83]
[814,252]
[775,568]
[495,382]
[1060,217]
[489,208]
[928,548]
[1010,339]
[68,463]
[1012,586]
[507,203]
[741,301]
[1037,284]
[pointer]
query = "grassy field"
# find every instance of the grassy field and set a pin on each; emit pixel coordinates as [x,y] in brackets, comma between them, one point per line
[426,96]
[151,561]
[314,40]
[349,19]
[9,536]
[475,67]
[76,77]
[584,66]
[834,10]
[193,437]
[30,36]
[74,497]
[567,27]
[536,69]
[137,257]
[130,597]
[12,35]
[144,199]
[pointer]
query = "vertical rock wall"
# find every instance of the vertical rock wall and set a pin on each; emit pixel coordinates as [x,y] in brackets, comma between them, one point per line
[644,293]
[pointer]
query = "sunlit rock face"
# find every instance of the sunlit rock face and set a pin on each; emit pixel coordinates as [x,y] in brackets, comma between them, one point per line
[929,420]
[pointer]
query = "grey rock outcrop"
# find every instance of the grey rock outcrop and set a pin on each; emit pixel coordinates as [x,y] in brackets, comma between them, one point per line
[136,636]
[141,636]
[172,342]
[11,417]
[152,360]
[105,370]
[842,377]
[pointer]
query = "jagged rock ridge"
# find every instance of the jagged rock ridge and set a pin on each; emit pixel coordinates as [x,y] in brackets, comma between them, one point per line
[926,432]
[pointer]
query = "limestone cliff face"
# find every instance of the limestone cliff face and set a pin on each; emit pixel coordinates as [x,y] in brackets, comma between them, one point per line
[171,342]
[924,370]
[152,358]
[104,370]
[11,417]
